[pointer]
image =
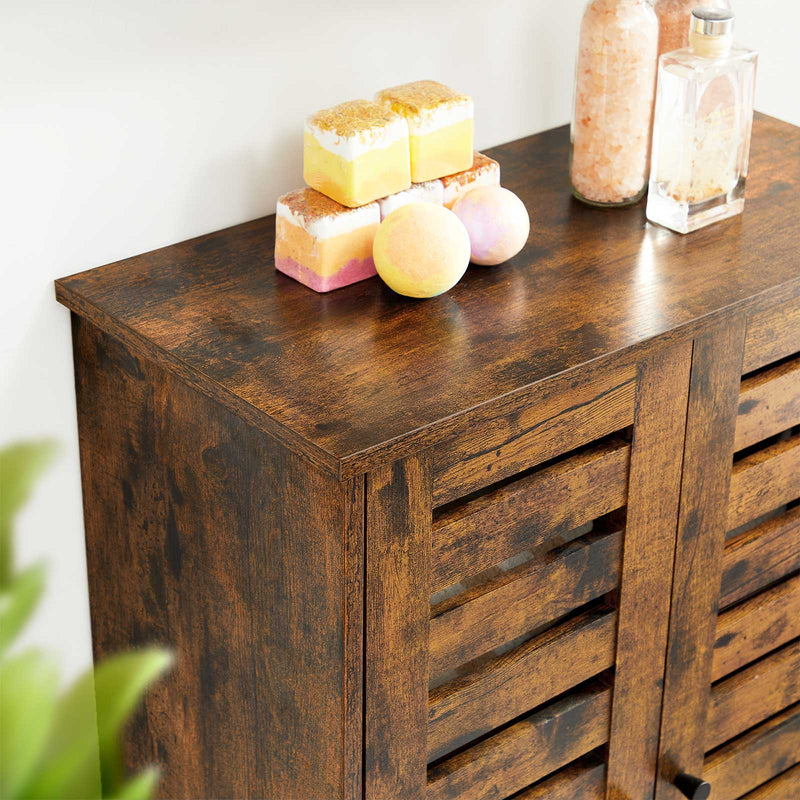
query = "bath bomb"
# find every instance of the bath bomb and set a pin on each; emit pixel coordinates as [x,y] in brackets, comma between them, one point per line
[497,222]
[421,250]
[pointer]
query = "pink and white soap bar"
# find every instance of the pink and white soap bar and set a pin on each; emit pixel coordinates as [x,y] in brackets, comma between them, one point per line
[427,192]
[323,244]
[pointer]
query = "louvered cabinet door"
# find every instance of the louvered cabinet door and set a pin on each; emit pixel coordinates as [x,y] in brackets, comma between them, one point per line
[732,695]
[518,580]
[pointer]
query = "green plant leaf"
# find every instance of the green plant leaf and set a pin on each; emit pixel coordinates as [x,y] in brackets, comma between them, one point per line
[141,787]
[17,602]
[28,691]
[20,466]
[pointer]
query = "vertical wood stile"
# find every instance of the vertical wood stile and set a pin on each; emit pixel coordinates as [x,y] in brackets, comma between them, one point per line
[708,455]
[398,545]
[649,547]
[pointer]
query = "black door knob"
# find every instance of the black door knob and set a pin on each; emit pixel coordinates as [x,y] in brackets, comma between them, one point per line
[691,787]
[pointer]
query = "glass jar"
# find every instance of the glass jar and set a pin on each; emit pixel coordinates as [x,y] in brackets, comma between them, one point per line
[673,20]
[615,86]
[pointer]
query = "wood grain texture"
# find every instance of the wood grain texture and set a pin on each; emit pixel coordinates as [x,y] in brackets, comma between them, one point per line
[753,694]
[755,758]
[552,586]
[556,417]
[208,537]
[756,626]
[769,403]
[760,556]
[398,504]
[585,779]
[772,334]
[361,376]
[649,549]
[530,749]
[710,424]
[785,787]
[471,536]
[516,682]
[764,481]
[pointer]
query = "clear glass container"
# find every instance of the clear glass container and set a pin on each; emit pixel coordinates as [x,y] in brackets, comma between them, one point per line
[703,122]
[614,90]
[673,21]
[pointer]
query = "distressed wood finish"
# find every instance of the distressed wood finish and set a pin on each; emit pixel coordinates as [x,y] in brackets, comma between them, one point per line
[772,334]
[756,757]
[585,779]
[713,399]
[785,787]
[656,461]
[549,738]
[756,626]
[398,500]
[769,403]
[764,481]
[471,536]
[184,505]
[752,695]
[760,556]
[514,604]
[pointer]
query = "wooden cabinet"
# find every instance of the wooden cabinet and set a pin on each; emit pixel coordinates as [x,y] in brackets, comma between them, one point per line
[536,538]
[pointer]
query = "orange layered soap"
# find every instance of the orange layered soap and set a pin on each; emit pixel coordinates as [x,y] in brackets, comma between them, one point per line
[484,171]
[322,243]
[440,127]
[356,152]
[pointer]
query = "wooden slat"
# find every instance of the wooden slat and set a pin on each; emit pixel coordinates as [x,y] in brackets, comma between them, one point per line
[583,780]
[509,685]
[757,626]
[471,536]
[769,403]
[764,481]
[398,500]
[646,585]
[772,334]
[761,556]
[526,751]
[710,423]
[543,591]
[785,787]
[752,695]
[755,758]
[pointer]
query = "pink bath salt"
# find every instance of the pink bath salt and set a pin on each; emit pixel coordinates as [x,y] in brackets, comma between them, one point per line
[615,88]
[673,20]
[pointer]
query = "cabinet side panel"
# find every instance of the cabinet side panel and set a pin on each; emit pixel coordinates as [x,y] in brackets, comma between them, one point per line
[205,535]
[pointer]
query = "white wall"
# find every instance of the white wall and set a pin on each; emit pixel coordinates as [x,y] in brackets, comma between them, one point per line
[126,125]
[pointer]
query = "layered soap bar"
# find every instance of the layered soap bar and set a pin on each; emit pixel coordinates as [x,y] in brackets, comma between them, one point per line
[484,171]
[322,243]
[356,152]
[440,125]
[428,192]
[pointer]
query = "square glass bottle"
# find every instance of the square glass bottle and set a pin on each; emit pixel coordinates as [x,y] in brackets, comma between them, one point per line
[702,126]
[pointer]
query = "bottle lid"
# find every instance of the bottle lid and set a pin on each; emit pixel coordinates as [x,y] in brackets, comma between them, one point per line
[712,22]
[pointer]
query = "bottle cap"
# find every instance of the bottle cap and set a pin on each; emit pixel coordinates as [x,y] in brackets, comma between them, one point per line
[712,22]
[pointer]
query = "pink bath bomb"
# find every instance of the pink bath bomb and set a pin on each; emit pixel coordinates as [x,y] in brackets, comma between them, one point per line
[497,222]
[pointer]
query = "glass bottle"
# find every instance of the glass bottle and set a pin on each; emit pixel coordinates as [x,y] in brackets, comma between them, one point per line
[614,89]
[703,122]
[673,21]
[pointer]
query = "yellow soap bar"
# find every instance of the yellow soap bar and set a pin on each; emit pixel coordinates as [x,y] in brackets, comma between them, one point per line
[356,152]
[440,126]
[484,171]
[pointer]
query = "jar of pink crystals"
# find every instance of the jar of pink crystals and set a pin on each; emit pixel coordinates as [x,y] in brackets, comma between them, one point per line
[614,90]
[673,19]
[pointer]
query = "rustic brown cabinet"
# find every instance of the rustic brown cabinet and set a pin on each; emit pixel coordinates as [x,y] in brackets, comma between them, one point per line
[537,538]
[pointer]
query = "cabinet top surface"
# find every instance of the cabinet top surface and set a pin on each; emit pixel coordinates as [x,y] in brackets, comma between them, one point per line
[347,374]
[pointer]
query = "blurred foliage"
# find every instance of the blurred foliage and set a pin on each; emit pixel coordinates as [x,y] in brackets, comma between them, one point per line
[55,745]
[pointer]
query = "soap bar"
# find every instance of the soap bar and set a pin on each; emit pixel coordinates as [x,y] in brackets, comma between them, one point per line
[356,152]
[428,192]
[484,171]
[440,125]
[322,243]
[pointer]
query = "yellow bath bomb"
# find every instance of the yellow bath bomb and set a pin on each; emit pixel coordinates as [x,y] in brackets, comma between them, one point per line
[421,250]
